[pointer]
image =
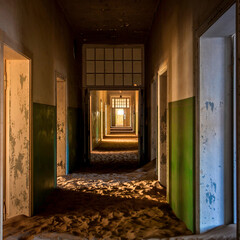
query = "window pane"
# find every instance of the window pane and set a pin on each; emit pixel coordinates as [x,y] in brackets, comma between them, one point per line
[109,66]
[137,79]
[118,67]
[100,79]
[108,54]
[99,53]
[90,54]
[128,66]
[90,79]
[118,54]
[137,67]
[137,54]
[127,53]
[90,67]
[99,66]
[109,79]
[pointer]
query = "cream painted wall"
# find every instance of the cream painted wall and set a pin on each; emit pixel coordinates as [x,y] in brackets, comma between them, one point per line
[39,30]
[171,43]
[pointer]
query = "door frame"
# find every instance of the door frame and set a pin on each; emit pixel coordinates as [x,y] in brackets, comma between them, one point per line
[64,78]
[86,107]
[22,51]
[212,18]
[162,70]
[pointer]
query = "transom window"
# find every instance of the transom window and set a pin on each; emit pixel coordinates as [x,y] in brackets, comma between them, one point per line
[120,103]
[108,65]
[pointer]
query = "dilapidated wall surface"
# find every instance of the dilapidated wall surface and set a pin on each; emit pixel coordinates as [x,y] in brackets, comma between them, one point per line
[171,46]
[216,132]
[61,127]
[154,118]
[17,138]
[39,30]
[163,130]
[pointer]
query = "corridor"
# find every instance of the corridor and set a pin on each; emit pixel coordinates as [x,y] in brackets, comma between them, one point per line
[119,119]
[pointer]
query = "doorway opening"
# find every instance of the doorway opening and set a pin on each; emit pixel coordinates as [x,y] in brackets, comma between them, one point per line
[162,154]
[17,135]
[114,128]
[61,125]
[154,120]
[217,124]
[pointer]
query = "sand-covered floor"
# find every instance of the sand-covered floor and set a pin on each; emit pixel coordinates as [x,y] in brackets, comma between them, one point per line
[102,206]
[111,199]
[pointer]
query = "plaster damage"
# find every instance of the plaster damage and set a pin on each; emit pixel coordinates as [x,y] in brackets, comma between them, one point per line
[17,138]
[215,132]
[61,128]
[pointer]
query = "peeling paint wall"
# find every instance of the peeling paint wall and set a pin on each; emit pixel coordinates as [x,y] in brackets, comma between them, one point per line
[39,30]
[17,138]
[171,46]
[163,130]
[61,127]
[154,117]
[216,136]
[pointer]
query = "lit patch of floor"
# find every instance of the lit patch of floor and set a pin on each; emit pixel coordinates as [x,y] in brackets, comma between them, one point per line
[102,206]
[118,144]
[128,140]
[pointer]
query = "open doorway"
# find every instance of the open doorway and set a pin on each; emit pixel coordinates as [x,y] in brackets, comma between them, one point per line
[114,126]
[61,125]
[17,135]
[217,124]
[154,120]
[162,129]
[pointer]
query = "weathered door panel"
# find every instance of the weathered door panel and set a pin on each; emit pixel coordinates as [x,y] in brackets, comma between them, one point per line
[17,138]
[61,127]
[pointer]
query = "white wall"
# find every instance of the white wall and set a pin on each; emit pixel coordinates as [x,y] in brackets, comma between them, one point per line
[215,132]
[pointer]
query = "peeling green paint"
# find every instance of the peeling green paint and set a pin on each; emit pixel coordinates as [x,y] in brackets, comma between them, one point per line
[181,154]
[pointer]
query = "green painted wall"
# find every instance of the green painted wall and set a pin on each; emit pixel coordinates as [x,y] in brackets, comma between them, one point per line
[74,139]
[44,152]
[181,154]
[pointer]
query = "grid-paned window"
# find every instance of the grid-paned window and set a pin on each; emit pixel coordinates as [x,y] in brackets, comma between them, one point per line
[120,103]
[113,66]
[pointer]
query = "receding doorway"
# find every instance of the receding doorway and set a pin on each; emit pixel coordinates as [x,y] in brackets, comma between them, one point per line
[17,135]
[113,125]
[162,129]
[61,125]
[217,124]
[154,122]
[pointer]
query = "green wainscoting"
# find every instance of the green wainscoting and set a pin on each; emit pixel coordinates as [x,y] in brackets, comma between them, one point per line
[44,153]
[182,155]
[74,139]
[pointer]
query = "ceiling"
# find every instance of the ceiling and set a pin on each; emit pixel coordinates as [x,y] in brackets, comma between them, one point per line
[110,21]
